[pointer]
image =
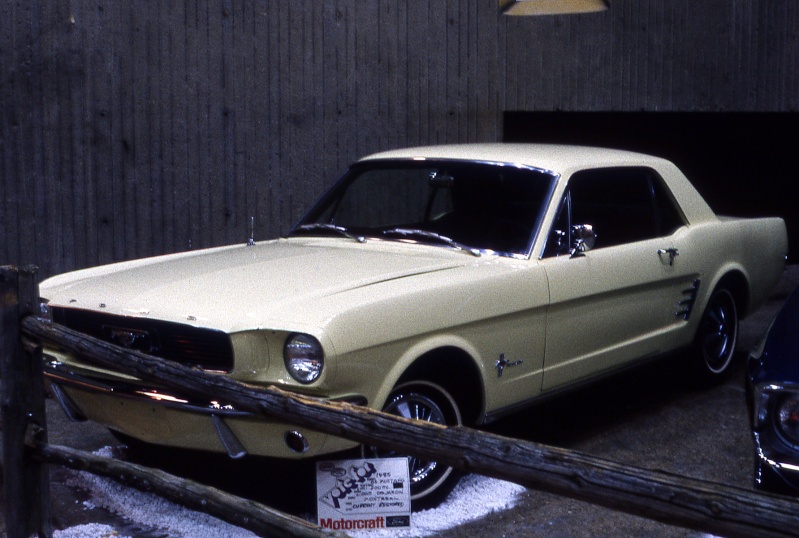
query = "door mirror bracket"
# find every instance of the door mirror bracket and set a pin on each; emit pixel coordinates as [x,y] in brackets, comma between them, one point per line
[584,239]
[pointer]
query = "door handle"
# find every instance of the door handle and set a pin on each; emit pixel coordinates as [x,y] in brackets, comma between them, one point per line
[671,251]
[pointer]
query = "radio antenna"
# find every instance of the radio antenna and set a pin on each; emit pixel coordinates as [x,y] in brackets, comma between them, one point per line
[251,239]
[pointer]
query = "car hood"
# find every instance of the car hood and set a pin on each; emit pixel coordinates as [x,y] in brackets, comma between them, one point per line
[244,287]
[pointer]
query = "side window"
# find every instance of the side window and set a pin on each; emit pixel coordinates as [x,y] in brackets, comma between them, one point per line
[623,205]
[669,216]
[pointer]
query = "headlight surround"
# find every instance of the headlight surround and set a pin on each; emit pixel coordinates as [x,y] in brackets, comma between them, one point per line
[787,417]
[303,357]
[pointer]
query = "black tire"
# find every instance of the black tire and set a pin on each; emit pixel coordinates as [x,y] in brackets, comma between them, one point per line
[716,336]
[431,482]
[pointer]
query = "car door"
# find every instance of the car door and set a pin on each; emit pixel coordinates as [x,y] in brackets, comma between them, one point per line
[618,300]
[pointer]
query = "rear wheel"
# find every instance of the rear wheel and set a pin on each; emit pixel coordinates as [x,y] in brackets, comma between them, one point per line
[717,336]
[431,481]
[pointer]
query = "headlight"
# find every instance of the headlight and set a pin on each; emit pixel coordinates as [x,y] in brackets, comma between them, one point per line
[788,418]
[304,357]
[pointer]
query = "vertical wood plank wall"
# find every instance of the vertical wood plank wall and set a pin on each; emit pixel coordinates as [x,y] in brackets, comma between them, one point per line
[134,128]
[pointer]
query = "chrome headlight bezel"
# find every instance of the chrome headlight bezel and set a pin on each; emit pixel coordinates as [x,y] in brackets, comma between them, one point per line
[786,417]
[303,357]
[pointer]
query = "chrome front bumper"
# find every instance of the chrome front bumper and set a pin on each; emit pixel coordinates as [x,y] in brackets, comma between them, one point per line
[775,471]
[158,416]
[59,375]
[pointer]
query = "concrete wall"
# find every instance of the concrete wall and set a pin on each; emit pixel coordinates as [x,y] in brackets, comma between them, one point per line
[136,128]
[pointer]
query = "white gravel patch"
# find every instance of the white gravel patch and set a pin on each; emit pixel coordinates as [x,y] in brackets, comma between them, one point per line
[474,497]
[94,530]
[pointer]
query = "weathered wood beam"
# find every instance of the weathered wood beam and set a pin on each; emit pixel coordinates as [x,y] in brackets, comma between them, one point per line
[244,513]
[26,483]
[675,500]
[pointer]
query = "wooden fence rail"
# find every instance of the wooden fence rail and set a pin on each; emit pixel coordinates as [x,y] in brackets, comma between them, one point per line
[244,513]
[709,507]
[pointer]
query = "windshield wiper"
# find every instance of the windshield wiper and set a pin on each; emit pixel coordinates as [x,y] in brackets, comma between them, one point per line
[434,236]
[316,226]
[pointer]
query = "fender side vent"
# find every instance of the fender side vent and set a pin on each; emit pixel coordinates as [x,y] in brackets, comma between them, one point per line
[686,305]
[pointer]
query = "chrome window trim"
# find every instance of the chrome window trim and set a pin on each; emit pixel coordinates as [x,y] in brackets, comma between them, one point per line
[537,226]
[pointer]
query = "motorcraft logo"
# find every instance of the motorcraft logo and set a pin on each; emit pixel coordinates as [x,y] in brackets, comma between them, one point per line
[378,522]
[363,494]
[342,524]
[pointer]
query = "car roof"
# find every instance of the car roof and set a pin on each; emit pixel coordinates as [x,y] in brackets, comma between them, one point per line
[553,157]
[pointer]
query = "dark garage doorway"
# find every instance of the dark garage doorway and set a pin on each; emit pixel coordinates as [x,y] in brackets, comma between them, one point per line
[743,163]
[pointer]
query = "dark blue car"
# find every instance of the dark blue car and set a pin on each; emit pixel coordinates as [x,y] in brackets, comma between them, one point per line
[773,390]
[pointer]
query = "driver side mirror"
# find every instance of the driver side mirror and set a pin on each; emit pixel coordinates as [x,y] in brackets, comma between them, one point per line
[583,239]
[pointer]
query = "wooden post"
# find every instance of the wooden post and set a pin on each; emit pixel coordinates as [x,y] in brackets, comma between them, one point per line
[26,481]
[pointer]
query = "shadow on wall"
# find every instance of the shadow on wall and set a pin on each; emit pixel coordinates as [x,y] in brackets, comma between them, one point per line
[743,163]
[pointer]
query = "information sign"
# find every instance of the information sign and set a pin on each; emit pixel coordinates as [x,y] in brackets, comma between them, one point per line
[363,494]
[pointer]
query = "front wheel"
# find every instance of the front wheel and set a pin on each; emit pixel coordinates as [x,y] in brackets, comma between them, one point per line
[431,482]
[717,336]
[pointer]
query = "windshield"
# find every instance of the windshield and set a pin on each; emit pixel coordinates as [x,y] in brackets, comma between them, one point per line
[478,207]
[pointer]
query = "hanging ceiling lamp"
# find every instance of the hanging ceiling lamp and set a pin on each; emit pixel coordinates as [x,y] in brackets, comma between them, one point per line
[551,7]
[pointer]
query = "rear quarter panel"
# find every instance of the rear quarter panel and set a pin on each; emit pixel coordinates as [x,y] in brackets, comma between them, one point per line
[759,250]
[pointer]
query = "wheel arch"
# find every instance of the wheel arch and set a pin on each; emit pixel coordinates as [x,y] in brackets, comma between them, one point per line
[736,282]
[454,370]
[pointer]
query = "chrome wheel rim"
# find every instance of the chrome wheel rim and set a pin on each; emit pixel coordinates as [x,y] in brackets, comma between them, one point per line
[421,400]
[415,406]
[719,332]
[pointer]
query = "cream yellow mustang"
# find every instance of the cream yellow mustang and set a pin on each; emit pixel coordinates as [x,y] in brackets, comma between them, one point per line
[452,284]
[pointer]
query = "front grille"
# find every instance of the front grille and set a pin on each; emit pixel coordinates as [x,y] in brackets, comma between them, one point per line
[191,346]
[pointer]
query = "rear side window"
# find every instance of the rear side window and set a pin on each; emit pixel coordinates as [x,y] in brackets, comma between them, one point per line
[623,205]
